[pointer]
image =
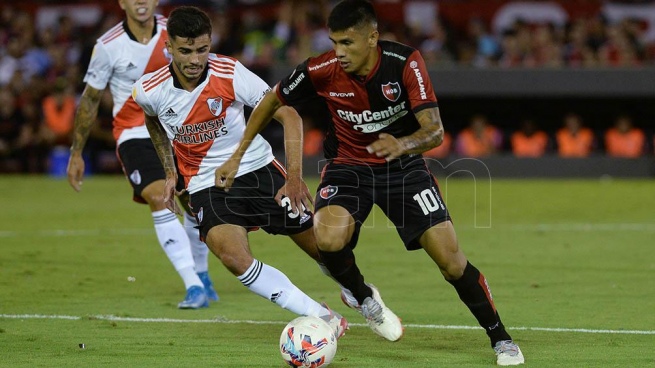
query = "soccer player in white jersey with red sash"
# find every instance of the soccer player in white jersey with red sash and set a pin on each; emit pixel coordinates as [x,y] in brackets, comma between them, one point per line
[121,56]
[197,104]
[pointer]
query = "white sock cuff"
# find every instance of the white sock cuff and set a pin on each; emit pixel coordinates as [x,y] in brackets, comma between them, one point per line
[163,216]
[251,274]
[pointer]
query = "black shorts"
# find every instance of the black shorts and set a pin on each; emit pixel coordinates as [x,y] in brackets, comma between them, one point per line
[142,166]
[409,196]
[250,203]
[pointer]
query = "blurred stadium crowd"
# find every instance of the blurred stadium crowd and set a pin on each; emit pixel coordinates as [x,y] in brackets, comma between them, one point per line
[45,48]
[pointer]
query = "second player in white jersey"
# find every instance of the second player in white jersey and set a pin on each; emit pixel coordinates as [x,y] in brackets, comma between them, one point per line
[206,124]
[123,54]
[118,61]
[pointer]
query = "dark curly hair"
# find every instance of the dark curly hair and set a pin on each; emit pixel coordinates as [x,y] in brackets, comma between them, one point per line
[188,22]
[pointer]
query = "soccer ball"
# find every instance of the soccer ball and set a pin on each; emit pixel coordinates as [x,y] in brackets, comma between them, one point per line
[308,342]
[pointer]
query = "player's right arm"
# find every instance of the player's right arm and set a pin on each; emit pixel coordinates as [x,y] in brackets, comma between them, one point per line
[85,117]
[98,74]
[165,153]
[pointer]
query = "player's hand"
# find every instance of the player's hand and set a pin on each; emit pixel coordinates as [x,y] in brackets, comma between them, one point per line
[224,175]
[386,146]
[75,171]
[169,195]
[296,190]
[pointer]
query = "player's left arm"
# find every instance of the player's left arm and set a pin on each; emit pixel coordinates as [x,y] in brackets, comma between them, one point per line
[428,136]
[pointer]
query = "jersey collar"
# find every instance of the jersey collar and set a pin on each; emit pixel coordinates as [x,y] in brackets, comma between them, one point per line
[131,35]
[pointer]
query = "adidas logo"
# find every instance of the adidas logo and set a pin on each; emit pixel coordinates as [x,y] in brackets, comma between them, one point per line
[169,242]
[130,66]
[276,296]
[170,113]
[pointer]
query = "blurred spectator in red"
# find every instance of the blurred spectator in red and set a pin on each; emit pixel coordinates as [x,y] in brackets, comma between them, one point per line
[577,50]
[479,139]
[312,141]
[574,140]
[443,150]
[618,50]
[624,140]
[59,113]
[529,141]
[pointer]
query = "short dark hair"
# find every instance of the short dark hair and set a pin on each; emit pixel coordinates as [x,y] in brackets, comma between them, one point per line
[351,13]
[188,22]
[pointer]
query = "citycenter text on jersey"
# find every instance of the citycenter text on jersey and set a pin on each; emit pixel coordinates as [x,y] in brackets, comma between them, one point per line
[375,120]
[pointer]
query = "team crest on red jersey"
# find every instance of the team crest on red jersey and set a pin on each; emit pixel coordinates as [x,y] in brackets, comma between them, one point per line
[215,105]
[391,91]
[328,192]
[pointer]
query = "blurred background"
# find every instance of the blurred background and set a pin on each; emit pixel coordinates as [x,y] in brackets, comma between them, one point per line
[526,88]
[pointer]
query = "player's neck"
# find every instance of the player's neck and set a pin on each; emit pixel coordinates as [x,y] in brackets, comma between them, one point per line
[185,83]
[142,31]
[370,65]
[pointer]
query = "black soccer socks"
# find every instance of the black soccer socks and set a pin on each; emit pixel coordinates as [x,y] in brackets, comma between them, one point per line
[343,268]
[474,291]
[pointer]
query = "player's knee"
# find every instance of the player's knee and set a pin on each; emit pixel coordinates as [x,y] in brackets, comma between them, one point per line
[451,274]
[331,241]
[153,194]
[154,200]
[453,269]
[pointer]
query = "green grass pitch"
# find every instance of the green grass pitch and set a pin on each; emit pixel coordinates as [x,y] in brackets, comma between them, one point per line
[570,264]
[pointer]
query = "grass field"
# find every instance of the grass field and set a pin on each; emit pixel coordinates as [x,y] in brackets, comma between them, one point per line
[570,264]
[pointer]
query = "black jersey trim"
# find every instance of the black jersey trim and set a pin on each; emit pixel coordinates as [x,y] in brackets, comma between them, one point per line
[427,105]
[131,35]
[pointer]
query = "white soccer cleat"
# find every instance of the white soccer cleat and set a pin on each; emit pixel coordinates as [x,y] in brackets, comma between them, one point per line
[349,300]
[508,353]
[379,318]
[338,323]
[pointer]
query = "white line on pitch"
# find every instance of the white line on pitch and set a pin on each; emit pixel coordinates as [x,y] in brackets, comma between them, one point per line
[252,322]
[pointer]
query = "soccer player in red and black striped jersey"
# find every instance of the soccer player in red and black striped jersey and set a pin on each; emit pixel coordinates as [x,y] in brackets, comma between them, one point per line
[384,114]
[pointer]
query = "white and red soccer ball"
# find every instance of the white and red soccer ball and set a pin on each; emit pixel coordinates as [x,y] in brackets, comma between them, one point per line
[308,342]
